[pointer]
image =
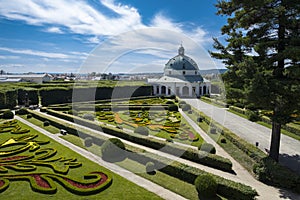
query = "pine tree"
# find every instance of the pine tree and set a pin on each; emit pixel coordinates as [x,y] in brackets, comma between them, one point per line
[262,54]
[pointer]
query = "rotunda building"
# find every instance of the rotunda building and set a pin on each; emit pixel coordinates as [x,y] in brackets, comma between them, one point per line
[181,78]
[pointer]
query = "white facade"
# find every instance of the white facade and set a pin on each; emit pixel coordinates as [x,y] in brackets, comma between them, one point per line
[181,78]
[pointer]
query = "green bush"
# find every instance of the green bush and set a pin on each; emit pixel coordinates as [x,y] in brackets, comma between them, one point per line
[253,116]
[29,116]
[142,130]
[150,167]
[207,147]
[186,107]
[22,111]
[113,150]
[170,102]
[206,186]
[8,115]
[199,119]
[172,107]
[46,123]
[223,140]
[88,141]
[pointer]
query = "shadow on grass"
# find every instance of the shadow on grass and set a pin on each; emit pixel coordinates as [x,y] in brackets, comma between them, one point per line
[201,197]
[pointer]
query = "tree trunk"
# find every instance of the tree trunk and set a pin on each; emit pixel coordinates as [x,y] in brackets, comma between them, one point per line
[275,141]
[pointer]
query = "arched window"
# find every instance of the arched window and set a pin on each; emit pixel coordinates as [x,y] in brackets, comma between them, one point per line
[163,89]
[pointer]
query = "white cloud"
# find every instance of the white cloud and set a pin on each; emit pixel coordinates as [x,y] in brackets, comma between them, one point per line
[54,30]
[34,53]
[76,15]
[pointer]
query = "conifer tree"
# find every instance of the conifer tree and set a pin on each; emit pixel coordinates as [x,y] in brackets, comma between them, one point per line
[262,54]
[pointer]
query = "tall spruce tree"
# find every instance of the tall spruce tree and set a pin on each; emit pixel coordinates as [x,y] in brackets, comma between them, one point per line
[262,54]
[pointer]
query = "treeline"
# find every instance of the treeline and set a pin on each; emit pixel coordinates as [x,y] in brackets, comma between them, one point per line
[32,94]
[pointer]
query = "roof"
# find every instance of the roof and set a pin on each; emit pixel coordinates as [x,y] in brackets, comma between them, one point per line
[177,79]
[181,62]
[9,80]
[23,75]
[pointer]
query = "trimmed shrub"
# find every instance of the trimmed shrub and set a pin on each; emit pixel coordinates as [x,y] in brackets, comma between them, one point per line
[172,107]
[22,111]
[8,115]
[223,140]
[199,119]
[142,130]
[150,167]
[169,140]
[206,185]
[207,147]
[29,116]
[88,117]
[88,141]
[170,102]
[190,112]
[186,107]
[113,150]
[46,123]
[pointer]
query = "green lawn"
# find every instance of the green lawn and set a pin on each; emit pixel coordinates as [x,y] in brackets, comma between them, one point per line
[120,188]
[51,129]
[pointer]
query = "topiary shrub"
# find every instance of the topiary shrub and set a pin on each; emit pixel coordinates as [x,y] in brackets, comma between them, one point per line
[207,147]
[8,115]
[142,130]
[170,102]
[46,123]
[199,119]
[206,186]
[29,116]
[223,140]
[88,117]
[22,111]
[172,107]
[88,141]
[150,168]
[113,150]
[186,107]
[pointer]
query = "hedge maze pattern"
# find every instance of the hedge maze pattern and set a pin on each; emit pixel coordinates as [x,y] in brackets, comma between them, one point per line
[24,154]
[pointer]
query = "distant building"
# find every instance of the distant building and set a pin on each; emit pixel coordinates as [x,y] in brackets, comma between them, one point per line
[34,78]
[181,78]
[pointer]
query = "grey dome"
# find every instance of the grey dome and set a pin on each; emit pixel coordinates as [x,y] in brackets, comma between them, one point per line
[181,62]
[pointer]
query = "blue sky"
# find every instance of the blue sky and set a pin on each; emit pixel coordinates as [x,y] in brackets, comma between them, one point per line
[136,35]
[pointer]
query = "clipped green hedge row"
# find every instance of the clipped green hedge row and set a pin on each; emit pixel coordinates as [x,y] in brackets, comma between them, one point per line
[58,95]
[226,188]
[211,160]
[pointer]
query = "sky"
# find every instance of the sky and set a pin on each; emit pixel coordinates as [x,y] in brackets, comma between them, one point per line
[64,36]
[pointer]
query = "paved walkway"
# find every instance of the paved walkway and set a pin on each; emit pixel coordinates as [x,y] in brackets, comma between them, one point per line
[148,185]
[252,132]
[242,175]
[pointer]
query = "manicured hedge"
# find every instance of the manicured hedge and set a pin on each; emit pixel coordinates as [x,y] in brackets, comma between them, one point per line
[187,153]
[226,188]
[32,95]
